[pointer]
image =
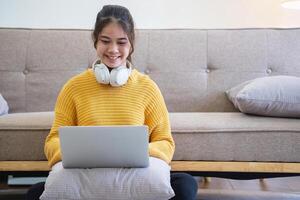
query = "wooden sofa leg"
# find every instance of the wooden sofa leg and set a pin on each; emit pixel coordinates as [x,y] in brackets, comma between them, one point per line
[207,179]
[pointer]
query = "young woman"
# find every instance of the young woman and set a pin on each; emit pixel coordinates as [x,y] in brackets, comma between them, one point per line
[114,93]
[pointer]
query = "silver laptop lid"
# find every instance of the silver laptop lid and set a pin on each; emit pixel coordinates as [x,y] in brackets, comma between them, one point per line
[104,146]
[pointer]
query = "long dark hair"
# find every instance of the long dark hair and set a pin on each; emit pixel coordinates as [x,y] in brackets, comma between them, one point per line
[119,14]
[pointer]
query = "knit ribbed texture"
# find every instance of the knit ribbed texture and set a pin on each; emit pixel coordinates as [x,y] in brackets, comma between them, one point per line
[84,102]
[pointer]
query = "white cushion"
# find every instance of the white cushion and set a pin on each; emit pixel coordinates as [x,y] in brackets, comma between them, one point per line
[277,96]
[151,183]
[3,106]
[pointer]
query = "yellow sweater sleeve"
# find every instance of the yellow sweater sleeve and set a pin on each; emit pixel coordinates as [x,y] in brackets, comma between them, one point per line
[157,118]
[64,116]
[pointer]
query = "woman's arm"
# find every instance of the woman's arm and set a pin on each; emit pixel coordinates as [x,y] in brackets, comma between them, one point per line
[65,115]
[157,118]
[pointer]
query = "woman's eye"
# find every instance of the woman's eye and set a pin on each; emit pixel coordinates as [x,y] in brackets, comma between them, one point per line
[122,43]
[105,41]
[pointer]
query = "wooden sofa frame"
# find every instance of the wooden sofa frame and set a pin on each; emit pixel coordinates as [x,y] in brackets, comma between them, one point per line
[210,168]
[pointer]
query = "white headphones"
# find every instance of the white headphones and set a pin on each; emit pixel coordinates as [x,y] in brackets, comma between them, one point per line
[117,77]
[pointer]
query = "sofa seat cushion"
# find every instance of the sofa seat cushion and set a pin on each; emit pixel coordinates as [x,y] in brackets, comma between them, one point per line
[22,135]
[27,121]
[223,136]
[217,122]
[212,136]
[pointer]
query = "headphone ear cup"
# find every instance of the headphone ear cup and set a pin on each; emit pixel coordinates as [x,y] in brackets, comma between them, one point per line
[119,76]
[102,73]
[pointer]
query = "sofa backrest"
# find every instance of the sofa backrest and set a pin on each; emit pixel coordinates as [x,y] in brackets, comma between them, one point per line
[193,68]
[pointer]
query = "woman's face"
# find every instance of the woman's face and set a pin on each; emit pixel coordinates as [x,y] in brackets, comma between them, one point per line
[113,46]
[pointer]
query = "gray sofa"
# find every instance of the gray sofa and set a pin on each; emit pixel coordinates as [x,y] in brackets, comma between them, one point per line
[193,69]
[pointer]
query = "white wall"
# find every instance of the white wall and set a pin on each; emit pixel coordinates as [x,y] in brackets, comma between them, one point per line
[81,14]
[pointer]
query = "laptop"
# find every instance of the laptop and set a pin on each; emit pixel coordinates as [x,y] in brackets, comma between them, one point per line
[104,146]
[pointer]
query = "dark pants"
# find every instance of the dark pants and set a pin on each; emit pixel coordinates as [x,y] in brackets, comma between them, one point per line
[184,186]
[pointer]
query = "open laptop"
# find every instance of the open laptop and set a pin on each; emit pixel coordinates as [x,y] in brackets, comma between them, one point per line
[104,146]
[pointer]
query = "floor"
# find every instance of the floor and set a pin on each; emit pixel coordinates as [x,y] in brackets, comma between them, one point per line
[215,189]
[264,189]
[289,185]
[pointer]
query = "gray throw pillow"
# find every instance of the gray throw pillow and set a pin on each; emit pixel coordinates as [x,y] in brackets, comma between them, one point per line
[3,106]
[277,96]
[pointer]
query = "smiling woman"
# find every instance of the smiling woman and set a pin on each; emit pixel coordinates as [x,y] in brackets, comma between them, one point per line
[114,93]
[113,37]
[117,30]
[113,47]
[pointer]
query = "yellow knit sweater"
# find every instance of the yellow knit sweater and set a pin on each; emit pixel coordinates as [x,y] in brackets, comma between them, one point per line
[84,102]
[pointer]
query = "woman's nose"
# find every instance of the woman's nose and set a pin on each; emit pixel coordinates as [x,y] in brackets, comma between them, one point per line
[113,48]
